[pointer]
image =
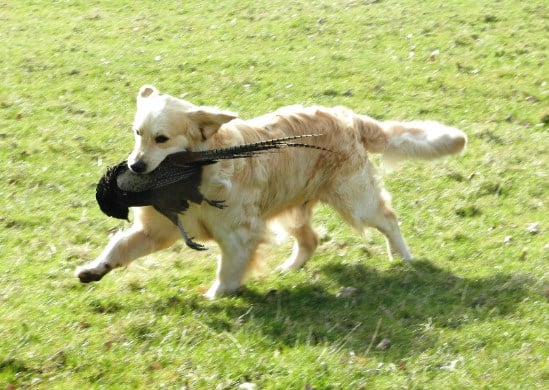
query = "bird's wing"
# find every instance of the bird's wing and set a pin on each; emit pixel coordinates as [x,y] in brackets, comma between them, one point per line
[164,175]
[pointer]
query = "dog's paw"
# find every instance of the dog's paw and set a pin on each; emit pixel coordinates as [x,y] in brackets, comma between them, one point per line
[219,289]
[286,267]
[210,294]
[293,263]
[88,275]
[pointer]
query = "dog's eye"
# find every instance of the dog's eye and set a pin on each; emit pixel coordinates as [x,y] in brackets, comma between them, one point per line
[161,139]
[137,132]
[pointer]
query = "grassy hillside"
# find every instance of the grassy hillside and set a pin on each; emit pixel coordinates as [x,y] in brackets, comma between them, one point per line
[470,312]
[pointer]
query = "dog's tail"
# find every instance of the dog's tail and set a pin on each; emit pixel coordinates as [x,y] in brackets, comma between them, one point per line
[396,141]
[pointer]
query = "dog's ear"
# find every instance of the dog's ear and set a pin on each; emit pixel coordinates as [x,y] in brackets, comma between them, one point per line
[210,119]
[145,92]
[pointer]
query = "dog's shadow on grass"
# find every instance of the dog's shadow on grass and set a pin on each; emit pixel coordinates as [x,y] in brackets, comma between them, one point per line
[405,305]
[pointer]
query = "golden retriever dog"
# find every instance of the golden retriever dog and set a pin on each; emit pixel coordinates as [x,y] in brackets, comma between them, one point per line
[284,185]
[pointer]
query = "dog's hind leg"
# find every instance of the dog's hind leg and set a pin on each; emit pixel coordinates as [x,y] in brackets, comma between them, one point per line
[386,222]
[296,222]
[151,232]
[362,203]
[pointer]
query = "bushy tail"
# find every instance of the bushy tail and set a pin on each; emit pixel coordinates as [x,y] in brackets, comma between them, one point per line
[396,141]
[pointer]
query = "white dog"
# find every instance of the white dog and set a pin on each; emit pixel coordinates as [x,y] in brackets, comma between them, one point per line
[285,184]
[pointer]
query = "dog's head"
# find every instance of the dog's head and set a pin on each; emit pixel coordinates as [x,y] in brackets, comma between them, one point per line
[164,125]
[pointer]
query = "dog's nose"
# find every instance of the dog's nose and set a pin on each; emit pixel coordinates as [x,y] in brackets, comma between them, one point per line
[139,166]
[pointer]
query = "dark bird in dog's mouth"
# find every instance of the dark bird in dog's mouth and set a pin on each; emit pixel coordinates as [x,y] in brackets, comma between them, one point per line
[175,182]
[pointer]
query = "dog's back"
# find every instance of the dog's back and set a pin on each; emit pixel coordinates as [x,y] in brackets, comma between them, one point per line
[291,177]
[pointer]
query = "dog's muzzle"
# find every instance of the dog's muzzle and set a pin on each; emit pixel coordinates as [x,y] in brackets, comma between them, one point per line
[139,166]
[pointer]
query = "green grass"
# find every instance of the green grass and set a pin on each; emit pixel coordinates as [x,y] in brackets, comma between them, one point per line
[471,312]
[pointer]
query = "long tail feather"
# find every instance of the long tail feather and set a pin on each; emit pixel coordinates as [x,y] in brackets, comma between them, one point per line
[242,151]
[182,166]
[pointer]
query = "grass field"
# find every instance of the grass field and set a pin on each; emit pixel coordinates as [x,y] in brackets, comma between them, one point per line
[470,312]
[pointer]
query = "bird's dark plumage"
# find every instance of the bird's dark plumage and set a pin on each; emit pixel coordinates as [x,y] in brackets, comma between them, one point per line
[175,182]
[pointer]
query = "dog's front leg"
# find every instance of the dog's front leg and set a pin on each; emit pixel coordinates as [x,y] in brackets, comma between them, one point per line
[121,250]
[150,232]
[237,254]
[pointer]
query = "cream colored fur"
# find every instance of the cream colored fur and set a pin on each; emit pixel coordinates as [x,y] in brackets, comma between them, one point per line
[284,185]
